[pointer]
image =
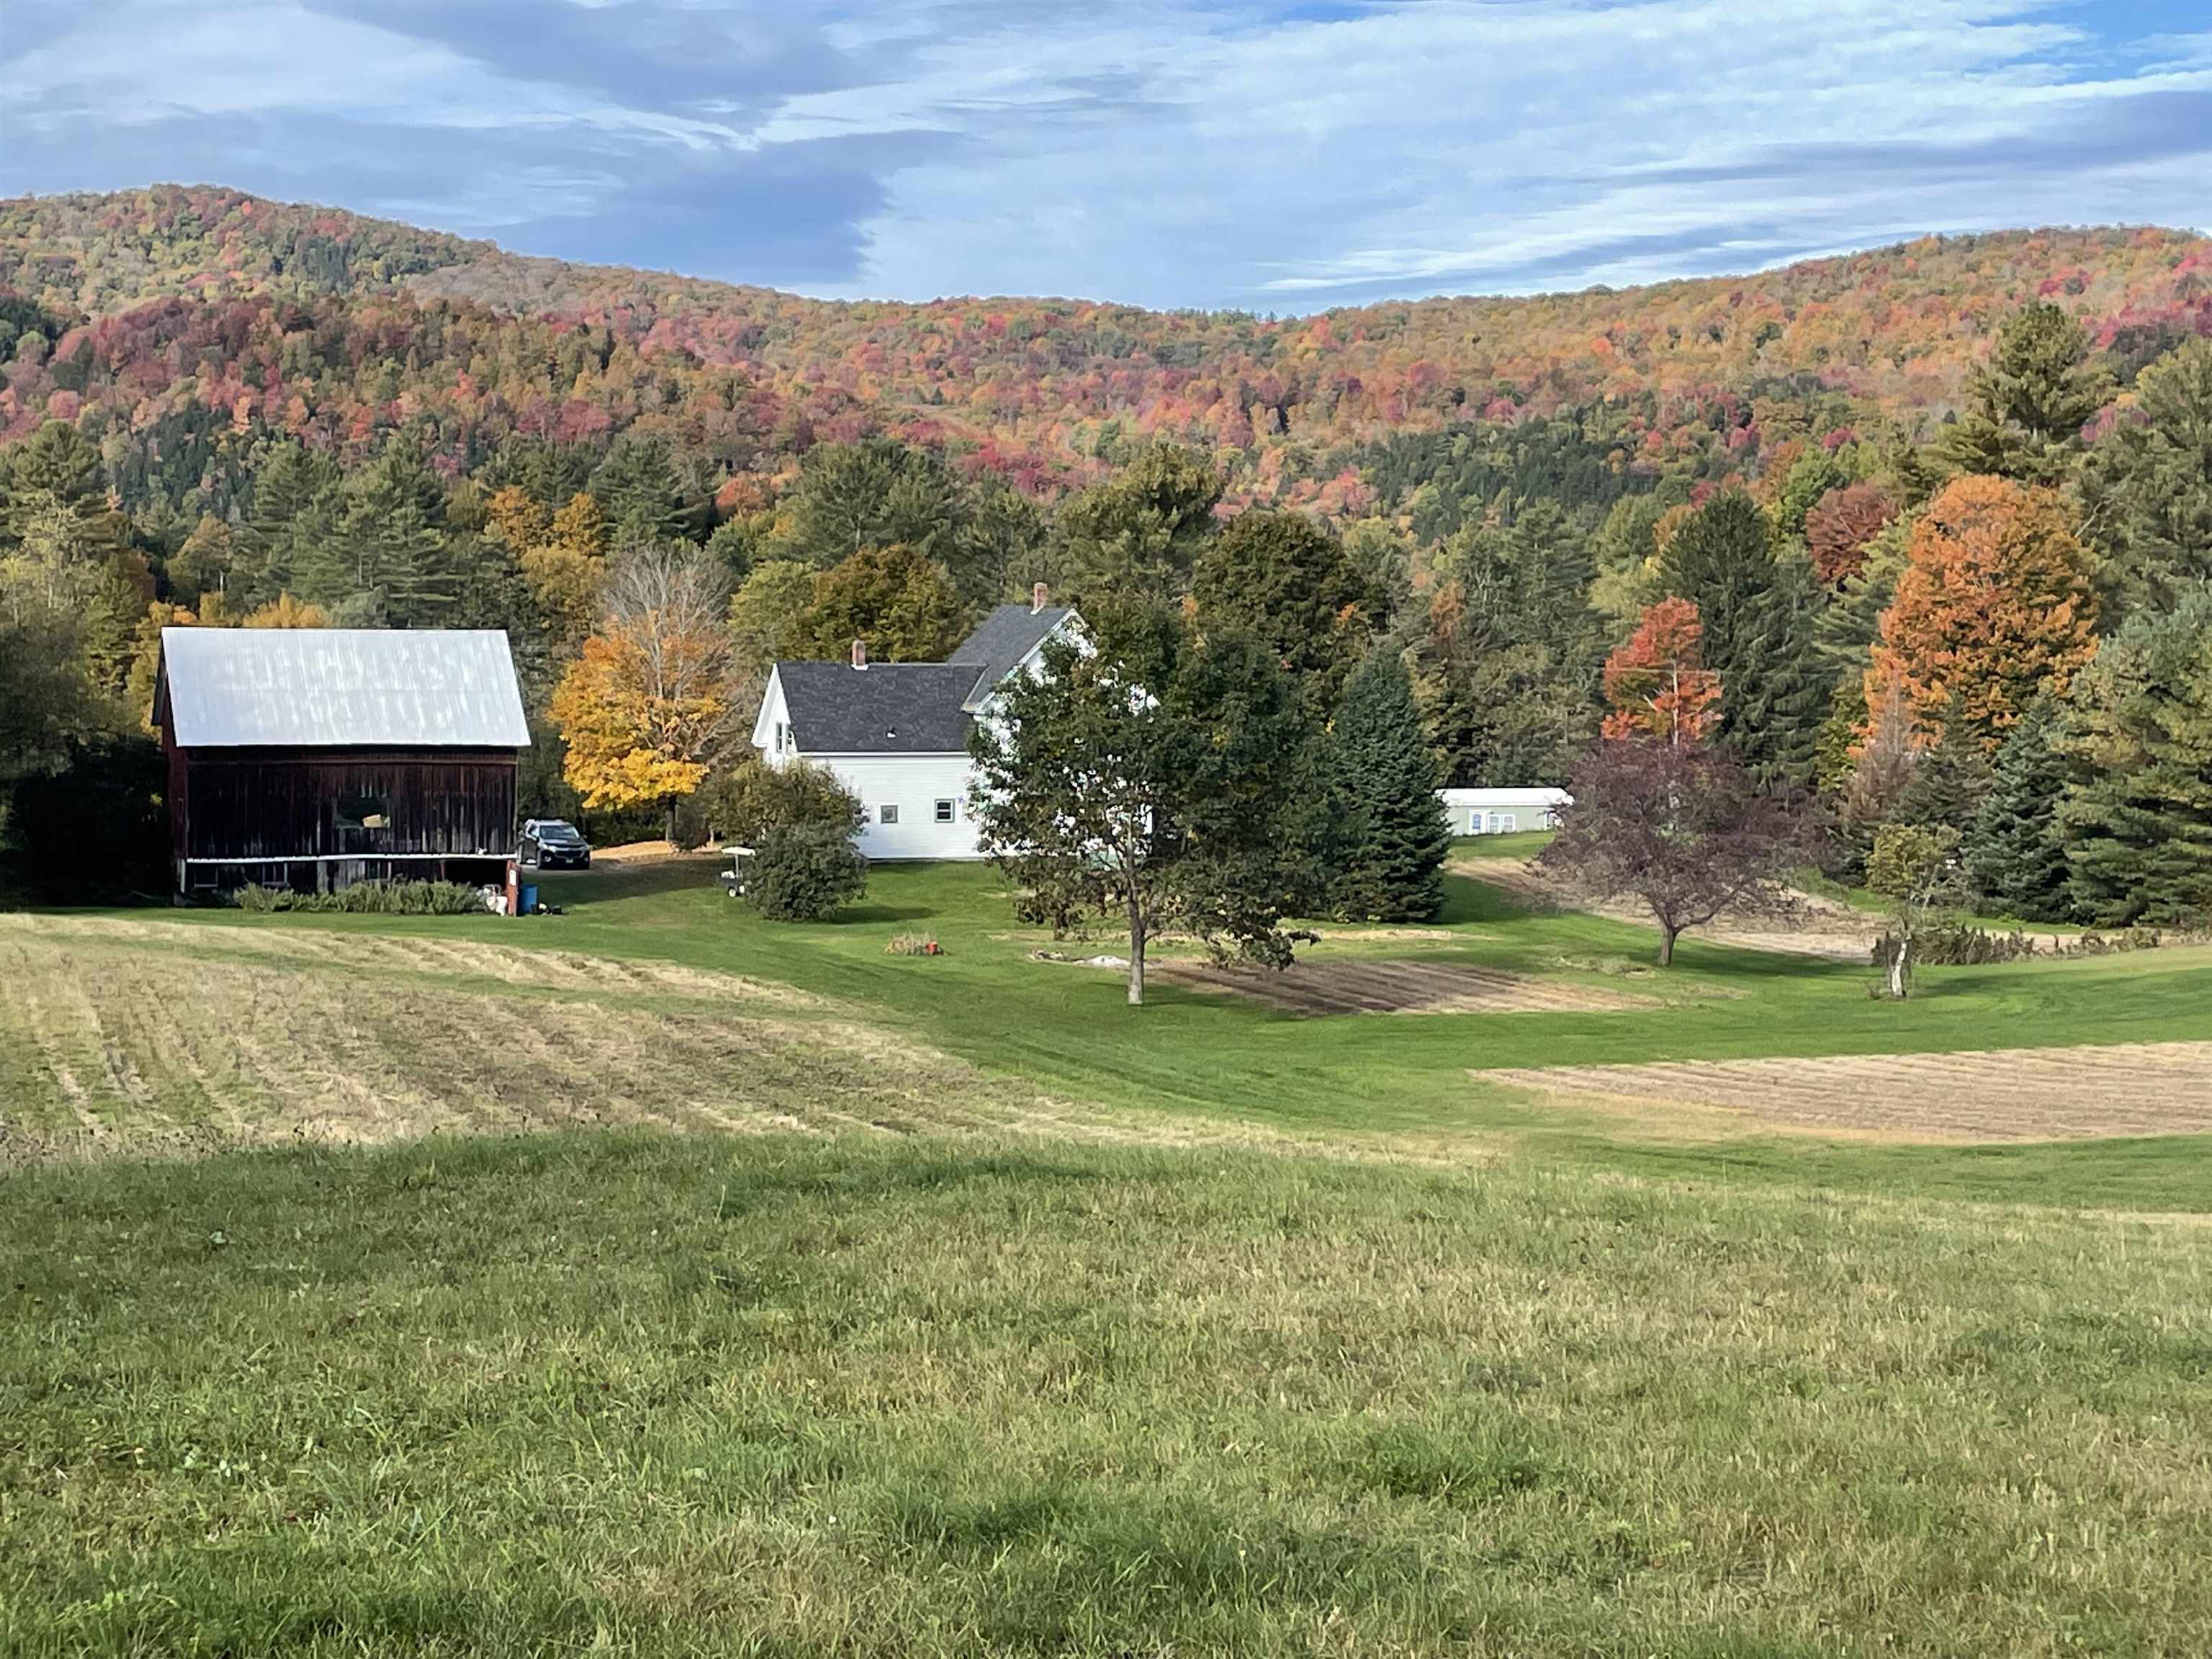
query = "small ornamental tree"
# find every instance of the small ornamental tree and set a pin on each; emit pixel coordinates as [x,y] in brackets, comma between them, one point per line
[1993,609]
[1149,774]
[1916,867]
[1657,682]
[1386,836]
[1679,828]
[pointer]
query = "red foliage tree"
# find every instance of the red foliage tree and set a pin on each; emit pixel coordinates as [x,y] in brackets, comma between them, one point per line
[1657,682]
[1839,526]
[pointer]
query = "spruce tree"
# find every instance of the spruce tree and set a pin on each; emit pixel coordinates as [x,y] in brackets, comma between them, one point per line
[1949,783]
[1758,615]
[1387,835]
[2138,827]
[2011,850]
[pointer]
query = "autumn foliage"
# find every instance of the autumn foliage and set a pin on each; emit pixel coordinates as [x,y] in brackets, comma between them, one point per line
[647,707]
[1657,683]
[1838,528]
[1994,608]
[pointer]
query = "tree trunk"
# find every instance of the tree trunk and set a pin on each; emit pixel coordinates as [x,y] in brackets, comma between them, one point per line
[671,823]
[1897,967]
[1136,956]
[1668,934]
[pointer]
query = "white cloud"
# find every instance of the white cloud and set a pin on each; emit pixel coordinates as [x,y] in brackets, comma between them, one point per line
[1189,154]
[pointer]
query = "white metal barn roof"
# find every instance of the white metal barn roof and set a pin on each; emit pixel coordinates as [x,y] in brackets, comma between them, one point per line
[341,687]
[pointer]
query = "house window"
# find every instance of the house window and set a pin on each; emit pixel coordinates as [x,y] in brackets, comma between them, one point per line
[945,811]
[887,814]
[1503,823]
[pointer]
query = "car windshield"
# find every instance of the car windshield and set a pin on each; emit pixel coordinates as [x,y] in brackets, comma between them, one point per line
[558,832]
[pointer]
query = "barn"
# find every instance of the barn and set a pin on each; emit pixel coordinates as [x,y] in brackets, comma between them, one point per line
[315,758]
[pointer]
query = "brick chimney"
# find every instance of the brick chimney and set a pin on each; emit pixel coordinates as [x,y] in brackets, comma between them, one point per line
[860,654]
[1037,597]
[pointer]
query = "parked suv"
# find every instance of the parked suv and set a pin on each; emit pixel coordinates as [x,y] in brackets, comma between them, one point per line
[553,844]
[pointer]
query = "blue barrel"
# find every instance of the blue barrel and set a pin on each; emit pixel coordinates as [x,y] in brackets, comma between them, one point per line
[528,905]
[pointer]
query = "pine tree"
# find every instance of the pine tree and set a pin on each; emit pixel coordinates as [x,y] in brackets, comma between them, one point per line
[1757,613]
[267,546]
[2138,828]
[1949,782]
[2149,487]
[1386,836]
[2013,849]
[2030,401]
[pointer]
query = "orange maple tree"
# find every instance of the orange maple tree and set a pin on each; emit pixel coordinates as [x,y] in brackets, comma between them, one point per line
[1657,682]
[1994,609]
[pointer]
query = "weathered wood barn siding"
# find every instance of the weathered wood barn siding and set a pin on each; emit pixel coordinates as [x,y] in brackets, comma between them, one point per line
[250,806]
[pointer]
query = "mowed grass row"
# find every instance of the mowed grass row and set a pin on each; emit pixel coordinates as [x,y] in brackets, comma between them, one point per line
[1192,1058]
[649,1394]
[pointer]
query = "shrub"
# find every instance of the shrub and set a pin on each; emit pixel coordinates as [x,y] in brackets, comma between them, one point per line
[804,871]
[801,824]
[381,898]
[1955,944]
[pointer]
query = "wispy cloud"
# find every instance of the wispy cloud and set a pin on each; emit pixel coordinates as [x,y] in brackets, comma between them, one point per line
[1163,151]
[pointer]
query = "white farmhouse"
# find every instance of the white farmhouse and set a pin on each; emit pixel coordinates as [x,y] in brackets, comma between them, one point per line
[895,733]
[1502,812]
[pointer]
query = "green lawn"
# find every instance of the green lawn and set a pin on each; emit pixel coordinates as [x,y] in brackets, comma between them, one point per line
[652,1394]
[949,1306]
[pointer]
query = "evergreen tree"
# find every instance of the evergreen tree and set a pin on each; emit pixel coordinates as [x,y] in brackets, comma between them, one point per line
[2030,401]
[266,559]
[1758,614]
[57,463]
[1950,780]
[1386,835]
[2138,826]
[642,494]
[2149,487]
[878,493]
[2012,850]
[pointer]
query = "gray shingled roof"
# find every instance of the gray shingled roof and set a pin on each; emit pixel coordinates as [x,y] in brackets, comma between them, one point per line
[341,687]
[885,709]
[997,647]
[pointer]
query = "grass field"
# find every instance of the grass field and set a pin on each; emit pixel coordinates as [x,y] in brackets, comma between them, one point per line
[651,1279]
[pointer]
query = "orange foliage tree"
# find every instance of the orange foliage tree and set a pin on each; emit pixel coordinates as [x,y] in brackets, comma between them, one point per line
[1657,682]
[1994,609]
[649,706]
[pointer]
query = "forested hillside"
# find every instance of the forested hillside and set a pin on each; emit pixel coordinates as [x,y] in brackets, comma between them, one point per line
[1926,529]
[171,313]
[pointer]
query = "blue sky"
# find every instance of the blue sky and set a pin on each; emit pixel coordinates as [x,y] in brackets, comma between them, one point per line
[1249,153]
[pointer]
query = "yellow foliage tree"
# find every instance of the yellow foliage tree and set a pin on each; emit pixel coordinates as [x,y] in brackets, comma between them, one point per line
[648,705]
[284,611]
[562,556]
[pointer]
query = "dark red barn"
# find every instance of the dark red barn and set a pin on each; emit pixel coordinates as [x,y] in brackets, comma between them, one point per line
[315,758]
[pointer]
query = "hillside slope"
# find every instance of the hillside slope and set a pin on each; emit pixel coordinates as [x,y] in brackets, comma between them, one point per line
[168,300]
